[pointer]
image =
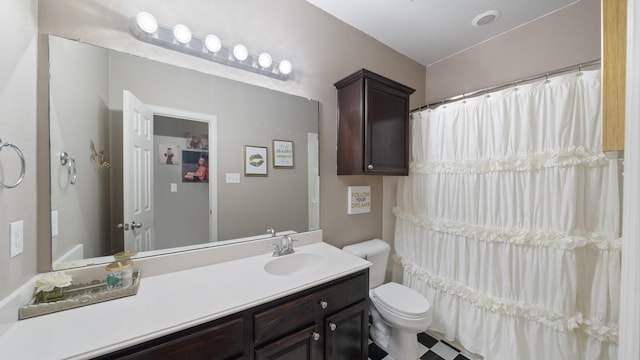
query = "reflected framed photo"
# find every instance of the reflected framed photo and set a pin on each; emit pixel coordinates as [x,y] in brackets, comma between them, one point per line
[195,166]
[255,160]
[169,154]
[283,154]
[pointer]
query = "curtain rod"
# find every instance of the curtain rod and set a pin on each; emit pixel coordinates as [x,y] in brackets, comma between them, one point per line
[489,89]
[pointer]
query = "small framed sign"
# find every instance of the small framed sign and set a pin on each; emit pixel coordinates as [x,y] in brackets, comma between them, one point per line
[359,200]
[255,160]
[282,154]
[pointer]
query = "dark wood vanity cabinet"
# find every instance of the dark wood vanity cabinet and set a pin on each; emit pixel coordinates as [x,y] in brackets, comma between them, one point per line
[333,321]
[329,321]
[373,125]
[220,339]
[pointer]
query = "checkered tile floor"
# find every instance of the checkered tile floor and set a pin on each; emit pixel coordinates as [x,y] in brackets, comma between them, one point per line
[430,349]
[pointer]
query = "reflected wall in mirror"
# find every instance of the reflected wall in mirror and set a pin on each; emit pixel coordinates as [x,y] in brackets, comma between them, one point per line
[194,119]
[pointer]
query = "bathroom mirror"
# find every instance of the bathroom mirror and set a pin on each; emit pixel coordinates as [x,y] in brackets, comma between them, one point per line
[110,192]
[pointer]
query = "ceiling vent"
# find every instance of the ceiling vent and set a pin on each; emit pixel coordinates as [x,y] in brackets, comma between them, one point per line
[486,18]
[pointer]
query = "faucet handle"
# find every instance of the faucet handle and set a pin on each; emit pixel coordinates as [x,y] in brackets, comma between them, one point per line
[276,249]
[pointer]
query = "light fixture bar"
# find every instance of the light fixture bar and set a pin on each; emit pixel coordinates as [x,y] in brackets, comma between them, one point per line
[164,37]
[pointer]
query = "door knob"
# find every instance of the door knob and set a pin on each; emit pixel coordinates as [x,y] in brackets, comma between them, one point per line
[370,167]
[135,225]
[332,326]
[123,226]
[316,336]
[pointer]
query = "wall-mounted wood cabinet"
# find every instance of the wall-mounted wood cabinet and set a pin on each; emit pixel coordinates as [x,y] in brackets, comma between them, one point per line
[373,125]
[614,39]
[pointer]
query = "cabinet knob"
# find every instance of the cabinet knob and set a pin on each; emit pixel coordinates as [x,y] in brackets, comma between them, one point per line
[370,167]
[332,326]
[316,336]
[324,304]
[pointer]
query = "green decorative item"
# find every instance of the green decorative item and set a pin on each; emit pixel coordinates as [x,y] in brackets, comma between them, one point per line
[56,294]
[50,287]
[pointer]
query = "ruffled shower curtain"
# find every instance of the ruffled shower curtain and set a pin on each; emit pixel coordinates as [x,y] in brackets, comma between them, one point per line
[509,222]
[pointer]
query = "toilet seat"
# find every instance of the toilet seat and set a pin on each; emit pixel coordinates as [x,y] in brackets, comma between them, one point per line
[401,300]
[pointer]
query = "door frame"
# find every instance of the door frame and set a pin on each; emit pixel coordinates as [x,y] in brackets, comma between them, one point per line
[629,324]
[212,122]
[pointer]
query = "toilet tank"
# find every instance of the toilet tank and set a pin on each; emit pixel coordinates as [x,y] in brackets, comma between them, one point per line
[377,252]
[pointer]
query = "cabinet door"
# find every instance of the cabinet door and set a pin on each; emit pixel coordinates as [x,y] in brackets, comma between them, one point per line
[303,344]
[274,322]
[347,332]
[386,130]
[222,341]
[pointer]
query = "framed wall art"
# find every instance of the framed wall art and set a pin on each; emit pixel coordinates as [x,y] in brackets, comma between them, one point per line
[283,154]
[169,154]
[255,160]
[195,166]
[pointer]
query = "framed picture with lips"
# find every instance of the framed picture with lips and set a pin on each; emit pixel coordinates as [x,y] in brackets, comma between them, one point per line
[255,160]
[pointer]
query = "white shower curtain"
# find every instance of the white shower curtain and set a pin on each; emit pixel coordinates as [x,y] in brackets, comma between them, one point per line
[509,222]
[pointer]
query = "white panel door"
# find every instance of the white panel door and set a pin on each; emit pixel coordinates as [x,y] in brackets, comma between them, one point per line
[137,157]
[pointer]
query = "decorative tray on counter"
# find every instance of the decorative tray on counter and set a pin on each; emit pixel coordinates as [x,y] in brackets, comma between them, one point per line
[77,295]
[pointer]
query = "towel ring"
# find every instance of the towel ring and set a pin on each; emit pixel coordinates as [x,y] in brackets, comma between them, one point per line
[70,163]
[22,164]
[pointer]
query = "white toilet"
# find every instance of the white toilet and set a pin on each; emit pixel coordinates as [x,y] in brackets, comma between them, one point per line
[404,310]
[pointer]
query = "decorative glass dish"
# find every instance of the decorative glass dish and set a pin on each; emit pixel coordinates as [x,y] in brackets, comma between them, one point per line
[77,295]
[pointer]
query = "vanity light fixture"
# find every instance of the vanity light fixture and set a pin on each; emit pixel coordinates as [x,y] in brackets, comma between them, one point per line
[182,34]
[285,67]
[265,60]
[147,23]
[179,38]
[212,43]
[240,52]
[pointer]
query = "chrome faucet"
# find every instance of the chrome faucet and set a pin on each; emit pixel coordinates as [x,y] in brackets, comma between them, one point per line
[285,247]
[271,231]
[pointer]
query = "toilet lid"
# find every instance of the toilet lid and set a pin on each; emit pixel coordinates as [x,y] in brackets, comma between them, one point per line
[401,300]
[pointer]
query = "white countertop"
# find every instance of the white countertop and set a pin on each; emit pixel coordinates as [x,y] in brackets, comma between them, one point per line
[165,304]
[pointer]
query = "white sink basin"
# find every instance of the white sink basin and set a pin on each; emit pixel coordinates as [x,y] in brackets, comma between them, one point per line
[295,263]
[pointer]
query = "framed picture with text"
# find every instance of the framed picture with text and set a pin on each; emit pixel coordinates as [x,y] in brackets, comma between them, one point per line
[283,154]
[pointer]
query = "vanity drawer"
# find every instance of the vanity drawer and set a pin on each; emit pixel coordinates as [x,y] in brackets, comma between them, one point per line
[208,341]
[308,309]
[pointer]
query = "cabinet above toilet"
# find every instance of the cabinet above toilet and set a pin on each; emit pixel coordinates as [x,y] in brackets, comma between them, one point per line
[373,125]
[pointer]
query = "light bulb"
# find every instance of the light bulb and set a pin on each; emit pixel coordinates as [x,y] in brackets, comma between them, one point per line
[212,43]
[285,67]
[182,33]
[264,60]
[240,52]
[146,22]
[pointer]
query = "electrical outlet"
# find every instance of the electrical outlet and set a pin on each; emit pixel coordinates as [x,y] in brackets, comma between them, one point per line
[16,237]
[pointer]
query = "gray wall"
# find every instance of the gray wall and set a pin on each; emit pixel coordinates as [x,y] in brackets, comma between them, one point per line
[322,49]
[18,95]
[182,217]
[566,37]
[79,114]
[246,115]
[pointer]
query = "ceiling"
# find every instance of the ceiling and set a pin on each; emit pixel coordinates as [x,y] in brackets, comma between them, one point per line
[428,31]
